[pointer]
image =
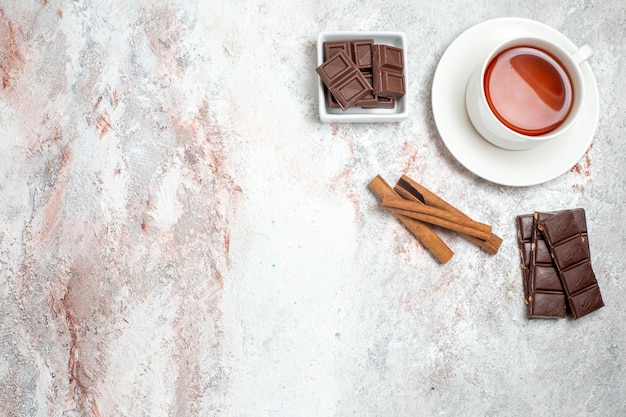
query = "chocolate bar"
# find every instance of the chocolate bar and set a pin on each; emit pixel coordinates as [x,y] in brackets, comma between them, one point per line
[388,64]
[542,293]
[571,256]
[546,298]
[344,80]
[524,235]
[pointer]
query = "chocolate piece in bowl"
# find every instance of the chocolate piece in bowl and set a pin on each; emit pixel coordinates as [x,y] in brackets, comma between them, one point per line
[344,80]
[388,66]
[360,51]
[331,102]
[333,48]
[362,54]
[370,101]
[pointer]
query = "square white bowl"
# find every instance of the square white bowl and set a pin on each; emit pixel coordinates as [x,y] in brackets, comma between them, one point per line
[356,114]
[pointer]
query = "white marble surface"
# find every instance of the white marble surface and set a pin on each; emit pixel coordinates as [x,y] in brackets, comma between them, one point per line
[181,236]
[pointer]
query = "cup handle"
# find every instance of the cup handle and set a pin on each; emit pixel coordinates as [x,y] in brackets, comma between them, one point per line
[582,54]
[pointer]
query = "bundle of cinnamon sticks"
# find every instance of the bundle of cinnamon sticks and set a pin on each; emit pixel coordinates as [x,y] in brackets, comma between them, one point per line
[418,209]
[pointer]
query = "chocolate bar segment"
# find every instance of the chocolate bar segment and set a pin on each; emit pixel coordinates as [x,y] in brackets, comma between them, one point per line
[570,252]
[586,301]
[388,64]
[362,54]
[547,305]
[370,101]
[390,84]
[333,48]
[543,279]
[524,233]
[360,51]
[381,103]
[331,101]
[335,68]
[388,57]
[344,80]
[350,90]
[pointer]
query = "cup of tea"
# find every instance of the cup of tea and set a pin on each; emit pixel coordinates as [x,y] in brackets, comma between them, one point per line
[528,90]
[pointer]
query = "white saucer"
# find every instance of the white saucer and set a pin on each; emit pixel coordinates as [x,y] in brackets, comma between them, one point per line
[501,166]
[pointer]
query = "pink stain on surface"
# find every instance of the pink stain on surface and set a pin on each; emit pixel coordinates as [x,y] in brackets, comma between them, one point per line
[227,245]
[11,59]
[79,381]
[406,304]
[584,167]
[409,155]
[204,152]
[102,116]
[103,124]
[52,208]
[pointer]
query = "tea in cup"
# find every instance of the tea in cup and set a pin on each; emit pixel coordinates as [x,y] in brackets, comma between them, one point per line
[527,91]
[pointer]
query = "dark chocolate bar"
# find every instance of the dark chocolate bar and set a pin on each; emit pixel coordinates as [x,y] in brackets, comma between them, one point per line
[570,251]
[524,234]
[546,298]
[344,80]
[542,294]
[387,65]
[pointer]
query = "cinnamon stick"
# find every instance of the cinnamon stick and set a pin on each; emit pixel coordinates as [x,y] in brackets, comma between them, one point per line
[438,221]
[419,207]
[421,231]
[411,190]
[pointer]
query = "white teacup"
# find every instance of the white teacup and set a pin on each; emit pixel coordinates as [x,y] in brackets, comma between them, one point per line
[521,103]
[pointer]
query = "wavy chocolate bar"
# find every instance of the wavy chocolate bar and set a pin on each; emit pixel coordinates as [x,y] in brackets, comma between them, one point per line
[569,250]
